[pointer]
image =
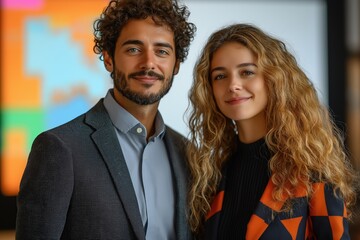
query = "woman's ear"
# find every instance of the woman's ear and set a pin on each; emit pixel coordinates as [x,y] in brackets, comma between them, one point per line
[108,62]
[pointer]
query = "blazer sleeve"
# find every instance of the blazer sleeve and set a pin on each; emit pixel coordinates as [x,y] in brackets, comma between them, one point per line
[327,214]
[45,189]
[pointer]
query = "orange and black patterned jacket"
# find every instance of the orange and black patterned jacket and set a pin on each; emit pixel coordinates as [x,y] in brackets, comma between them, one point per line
[321,217]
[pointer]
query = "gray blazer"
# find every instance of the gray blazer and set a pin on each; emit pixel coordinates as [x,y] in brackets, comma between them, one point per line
[76,184]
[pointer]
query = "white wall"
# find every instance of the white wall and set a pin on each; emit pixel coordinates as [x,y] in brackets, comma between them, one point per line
[300,24]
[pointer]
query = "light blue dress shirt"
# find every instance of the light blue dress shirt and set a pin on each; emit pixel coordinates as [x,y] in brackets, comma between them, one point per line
[149,167]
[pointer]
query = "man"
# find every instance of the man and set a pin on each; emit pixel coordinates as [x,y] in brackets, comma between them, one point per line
[116,172]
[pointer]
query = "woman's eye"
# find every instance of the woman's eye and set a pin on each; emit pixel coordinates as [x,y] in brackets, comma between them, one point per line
[219,76]
[247,73]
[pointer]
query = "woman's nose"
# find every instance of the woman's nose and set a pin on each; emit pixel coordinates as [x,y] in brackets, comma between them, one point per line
[235,84]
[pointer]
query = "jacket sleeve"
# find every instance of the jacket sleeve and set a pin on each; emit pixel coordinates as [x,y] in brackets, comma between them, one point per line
[327,214]
[45,190]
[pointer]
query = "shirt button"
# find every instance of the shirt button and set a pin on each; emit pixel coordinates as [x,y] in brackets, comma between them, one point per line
[139,130]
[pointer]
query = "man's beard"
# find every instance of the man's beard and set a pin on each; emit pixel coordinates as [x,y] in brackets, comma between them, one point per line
[121,84]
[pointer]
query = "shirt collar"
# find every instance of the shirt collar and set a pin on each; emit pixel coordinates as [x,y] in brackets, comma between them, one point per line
[125,122]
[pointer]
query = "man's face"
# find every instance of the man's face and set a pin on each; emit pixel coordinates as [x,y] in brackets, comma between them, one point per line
[144,62]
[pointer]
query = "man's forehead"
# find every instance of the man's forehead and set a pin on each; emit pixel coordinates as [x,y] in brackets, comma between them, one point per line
[146,31]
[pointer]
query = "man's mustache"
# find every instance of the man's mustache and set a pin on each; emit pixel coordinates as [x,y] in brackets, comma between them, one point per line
[146,73]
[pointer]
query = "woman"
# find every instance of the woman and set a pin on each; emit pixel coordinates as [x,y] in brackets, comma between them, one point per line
[266,159]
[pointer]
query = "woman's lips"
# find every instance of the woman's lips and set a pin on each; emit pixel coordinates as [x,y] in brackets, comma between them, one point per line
[237,100]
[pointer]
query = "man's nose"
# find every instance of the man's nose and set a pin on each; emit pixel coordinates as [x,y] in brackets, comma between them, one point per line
[148,60]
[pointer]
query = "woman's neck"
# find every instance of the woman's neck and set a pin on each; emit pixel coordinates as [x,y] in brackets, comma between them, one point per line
[251,130]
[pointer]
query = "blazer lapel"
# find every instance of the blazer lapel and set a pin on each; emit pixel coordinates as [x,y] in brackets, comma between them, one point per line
[175,148]
[267,210]
[264,214]
[105,138]
[213,217]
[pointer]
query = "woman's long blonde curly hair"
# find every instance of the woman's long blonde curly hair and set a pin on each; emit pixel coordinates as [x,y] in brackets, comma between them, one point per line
[303,139]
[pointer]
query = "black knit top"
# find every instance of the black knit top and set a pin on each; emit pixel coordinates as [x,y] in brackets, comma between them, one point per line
[246,176]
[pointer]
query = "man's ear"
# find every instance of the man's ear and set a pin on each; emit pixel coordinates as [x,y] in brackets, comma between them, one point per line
[108,62]
[177,67]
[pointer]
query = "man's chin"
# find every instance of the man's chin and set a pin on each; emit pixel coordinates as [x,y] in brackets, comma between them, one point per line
[142,99]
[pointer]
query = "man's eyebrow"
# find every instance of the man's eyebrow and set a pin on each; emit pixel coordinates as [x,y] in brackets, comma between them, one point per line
[158,44]
[135,42]
[163,44]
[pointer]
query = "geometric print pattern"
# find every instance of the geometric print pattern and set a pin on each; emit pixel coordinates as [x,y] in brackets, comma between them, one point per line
[321,217]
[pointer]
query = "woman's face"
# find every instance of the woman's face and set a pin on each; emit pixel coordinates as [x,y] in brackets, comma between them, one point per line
[238,84]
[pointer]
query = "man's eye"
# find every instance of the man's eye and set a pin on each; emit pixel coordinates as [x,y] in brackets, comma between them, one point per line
[163,52]
[133,50]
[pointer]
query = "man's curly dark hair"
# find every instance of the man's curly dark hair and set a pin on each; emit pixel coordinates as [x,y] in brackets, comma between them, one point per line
[164,12]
